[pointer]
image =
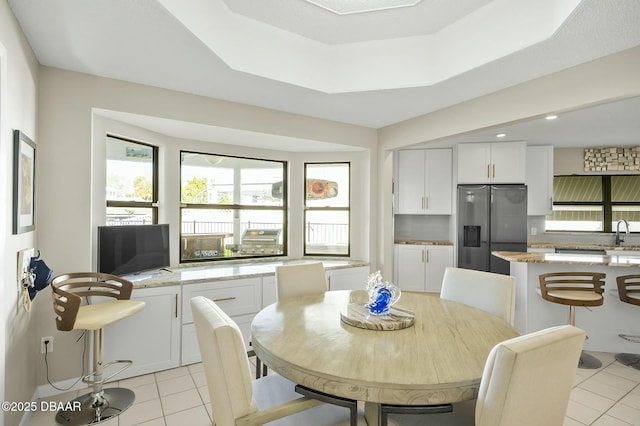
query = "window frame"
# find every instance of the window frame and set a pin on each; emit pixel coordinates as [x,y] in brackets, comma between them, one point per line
[237,207]
[607,204]
[153,204]
[307,208]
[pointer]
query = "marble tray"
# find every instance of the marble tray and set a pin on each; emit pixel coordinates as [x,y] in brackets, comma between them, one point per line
[357,315]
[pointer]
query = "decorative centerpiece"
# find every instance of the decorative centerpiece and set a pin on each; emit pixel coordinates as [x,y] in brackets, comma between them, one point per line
[374,308]
[382,294]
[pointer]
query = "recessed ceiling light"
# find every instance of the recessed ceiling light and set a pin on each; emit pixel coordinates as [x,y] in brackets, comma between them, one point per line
[342,7]
[501,135]
[551,117]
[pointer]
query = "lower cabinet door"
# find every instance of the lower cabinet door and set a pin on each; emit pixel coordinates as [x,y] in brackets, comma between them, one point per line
[151,338]
[410,267]
[348,278]
[421,267]
[438,258]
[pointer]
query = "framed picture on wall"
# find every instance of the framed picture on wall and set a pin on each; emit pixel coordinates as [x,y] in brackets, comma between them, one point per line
[24,179]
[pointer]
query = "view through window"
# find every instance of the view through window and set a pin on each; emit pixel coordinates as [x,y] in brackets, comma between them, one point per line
[231,207]
[132,176]
[327,204]
[595,203]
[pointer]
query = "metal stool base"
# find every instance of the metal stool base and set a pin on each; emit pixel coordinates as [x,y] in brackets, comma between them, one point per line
[588,361]
[115,401]
[630,360]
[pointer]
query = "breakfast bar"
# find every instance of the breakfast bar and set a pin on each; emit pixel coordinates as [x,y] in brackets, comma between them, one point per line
[602,323]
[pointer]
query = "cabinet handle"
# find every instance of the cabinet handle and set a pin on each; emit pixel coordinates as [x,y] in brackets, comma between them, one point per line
[494,170]
[422,256]
[224,299]
[426,203]
[488,170]
[426,256]
[176,305]
[551,203]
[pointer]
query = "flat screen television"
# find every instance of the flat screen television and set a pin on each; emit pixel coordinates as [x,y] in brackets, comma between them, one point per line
[129,249]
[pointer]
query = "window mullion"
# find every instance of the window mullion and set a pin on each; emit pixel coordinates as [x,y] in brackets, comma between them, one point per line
[606,203]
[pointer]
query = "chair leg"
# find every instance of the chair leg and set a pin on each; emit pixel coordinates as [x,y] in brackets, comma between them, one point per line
[100,404]
[258,367]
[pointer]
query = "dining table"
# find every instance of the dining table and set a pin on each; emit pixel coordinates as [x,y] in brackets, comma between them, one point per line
[438,359]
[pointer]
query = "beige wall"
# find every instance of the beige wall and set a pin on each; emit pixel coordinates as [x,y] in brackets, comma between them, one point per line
[18,97]
[71,201]
[570,161]
[599,81]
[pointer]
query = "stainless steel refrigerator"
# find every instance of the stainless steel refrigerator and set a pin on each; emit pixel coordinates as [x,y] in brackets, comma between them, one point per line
[490,218]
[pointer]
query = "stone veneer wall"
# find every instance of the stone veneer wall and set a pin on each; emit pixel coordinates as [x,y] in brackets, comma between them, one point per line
[611,159]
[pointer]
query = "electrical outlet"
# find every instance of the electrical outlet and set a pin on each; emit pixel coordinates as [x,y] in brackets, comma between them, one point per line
[534,230]
[46,342]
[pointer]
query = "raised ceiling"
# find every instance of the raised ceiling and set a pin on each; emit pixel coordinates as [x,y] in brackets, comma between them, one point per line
[371,69]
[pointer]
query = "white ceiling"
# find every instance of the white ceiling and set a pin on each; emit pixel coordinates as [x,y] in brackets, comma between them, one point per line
[371,69]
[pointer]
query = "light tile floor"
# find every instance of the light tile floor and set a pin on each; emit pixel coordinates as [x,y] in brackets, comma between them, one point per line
[608,396]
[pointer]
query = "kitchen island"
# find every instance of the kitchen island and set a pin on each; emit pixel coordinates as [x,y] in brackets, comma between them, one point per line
[603,323]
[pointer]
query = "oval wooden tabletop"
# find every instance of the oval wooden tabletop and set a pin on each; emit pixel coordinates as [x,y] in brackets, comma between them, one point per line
[439,359]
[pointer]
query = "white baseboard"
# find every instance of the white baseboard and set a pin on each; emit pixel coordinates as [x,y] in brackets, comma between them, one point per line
[44,391]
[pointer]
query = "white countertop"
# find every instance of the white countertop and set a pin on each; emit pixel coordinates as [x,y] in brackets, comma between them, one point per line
[226,271]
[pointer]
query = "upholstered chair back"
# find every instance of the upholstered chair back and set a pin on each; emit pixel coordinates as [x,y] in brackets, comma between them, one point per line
[297,280]
[527,380]
[493,293]
[226,365]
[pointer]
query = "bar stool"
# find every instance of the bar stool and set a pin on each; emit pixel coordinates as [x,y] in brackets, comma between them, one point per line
[68,293]
[575,289]
[629,292]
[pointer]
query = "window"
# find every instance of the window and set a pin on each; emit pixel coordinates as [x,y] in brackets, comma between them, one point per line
[326,214]
[132,182]
[595,203]
[231,207]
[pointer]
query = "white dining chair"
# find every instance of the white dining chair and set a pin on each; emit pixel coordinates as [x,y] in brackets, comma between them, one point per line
[493,293]
[526,381]
[236,400]
[300,280]
[297,280]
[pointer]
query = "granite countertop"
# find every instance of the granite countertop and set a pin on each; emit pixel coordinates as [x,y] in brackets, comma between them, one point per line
[226,271]
[584,246]
[572,259]
[425,242]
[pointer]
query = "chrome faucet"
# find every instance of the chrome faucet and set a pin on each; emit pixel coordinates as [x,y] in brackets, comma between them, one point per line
[618,239]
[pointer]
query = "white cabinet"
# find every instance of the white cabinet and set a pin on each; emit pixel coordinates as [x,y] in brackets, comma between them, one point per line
[348,278]
[424,181]
[241,299]
[269,290]
[539,180]
[421,267]
[151,338]
[492,162]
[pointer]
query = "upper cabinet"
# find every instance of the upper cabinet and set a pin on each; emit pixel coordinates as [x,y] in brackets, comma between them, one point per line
[539,180]
[424,181]
[492,162]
